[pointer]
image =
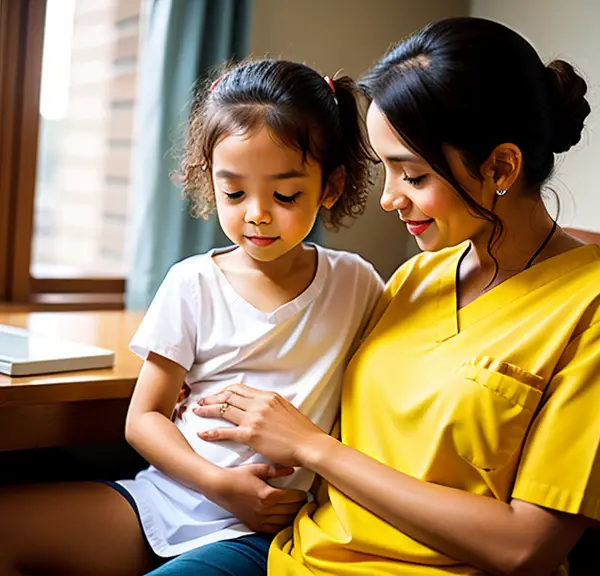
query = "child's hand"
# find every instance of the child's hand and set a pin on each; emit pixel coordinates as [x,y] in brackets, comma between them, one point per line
[181,404]
[263,508]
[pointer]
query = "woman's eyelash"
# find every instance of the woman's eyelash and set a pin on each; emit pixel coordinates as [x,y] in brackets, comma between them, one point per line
[414,181]
[287,199]
[234,195]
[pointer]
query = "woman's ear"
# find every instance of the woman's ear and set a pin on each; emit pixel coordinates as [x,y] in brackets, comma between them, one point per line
[334,187]
[503,166]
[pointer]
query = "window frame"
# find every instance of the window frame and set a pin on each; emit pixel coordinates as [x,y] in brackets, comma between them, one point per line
[21,48]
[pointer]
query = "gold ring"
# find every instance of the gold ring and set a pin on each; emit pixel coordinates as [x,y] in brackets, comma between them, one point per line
[223,408]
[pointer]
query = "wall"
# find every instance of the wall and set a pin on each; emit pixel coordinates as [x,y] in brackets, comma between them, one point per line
[350,35]
[567,30]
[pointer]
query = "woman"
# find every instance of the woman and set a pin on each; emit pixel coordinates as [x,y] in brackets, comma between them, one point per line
[469,421]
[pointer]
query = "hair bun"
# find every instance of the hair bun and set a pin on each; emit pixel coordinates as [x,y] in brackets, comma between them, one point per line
[569,105]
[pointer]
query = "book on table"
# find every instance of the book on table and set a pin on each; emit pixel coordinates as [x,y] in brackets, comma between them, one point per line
[23,353]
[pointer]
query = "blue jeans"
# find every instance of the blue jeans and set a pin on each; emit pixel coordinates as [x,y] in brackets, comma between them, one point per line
[244,556]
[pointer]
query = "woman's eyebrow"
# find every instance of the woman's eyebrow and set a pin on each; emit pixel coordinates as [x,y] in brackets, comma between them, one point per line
[405,158]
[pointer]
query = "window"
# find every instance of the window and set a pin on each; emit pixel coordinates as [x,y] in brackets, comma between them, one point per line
[69,74]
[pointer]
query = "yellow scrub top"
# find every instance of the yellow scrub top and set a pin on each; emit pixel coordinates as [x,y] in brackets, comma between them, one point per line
[447,396]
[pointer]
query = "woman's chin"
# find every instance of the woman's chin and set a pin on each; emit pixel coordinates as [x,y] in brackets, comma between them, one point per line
[429,244]
[435,242]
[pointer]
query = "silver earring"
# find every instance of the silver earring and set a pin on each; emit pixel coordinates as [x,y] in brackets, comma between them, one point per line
[501,191]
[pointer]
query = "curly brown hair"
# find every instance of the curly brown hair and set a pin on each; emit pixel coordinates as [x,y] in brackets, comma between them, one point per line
[300,107]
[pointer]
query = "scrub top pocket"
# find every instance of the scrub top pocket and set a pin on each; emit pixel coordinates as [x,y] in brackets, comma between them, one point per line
[497,402]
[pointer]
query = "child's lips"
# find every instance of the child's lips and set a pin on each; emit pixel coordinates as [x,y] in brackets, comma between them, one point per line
[262,240]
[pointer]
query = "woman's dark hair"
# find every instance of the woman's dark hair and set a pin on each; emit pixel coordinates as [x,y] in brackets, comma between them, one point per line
[474,84]
[300,108]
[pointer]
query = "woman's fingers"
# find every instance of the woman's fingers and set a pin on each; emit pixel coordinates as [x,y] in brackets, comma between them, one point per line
[224,434]
[231,407]
[213,399]
[240,390]
[246,391]
[207,409]
[267,423]
[225,411]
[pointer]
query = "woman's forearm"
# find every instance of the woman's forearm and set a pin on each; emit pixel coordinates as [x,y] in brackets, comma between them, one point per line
[519,538]
[483,532]
[159,441]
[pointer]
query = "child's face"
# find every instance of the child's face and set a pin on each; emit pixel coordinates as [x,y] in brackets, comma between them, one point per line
[267,197]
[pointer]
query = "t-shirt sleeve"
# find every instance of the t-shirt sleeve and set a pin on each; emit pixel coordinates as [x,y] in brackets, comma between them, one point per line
[560,465]
[375,289]
[385,295]
[169,327]
[370,290]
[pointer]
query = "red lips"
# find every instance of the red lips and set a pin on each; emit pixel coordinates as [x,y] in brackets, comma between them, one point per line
[417,227]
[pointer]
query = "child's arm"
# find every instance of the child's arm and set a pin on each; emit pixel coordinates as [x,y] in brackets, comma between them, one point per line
[149,430]
[241,490]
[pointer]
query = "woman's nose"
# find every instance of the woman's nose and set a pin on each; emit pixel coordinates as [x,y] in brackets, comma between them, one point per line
[393,200]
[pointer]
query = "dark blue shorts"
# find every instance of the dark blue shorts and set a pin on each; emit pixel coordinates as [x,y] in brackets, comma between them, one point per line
[244,556]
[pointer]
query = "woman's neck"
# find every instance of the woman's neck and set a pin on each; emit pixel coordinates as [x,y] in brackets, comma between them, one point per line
[530,236]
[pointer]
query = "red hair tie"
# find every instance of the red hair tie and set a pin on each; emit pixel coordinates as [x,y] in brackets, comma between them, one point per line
[330,83]
[215,83]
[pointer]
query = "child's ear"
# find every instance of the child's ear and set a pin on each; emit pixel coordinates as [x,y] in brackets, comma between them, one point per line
[334,187]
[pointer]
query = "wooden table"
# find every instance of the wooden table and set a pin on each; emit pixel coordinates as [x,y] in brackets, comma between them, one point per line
[69,408]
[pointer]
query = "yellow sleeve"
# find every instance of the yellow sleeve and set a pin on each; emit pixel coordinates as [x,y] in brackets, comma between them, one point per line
[560,465]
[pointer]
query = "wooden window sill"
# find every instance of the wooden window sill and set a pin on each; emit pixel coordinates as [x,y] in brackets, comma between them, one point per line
[66,302]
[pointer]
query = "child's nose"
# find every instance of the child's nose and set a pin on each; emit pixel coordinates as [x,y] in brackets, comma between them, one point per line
[257,213]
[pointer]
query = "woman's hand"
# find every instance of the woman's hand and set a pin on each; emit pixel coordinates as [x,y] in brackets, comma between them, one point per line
[265,421]
[244,492]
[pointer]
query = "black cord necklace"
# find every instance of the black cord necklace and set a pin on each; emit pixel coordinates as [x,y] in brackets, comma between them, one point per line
[542,246]
[529,263]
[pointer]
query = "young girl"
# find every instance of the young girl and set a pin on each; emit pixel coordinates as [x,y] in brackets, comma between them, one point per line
[272,145]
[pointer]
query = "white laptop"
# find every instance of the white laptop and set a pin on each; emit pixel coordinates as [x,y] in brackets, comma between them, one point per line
[25,354]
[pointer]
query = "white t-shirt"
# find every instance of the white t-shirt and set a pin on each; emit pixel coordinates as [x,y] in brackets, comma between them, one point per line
[300,350]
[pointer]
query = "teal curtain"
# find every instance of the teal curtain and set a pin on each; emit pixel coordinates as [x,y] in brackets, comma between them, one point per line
[182,40]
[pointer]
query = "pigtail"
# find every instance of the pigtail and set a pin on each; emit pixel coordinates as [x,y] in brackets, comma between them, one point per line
[354,155]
